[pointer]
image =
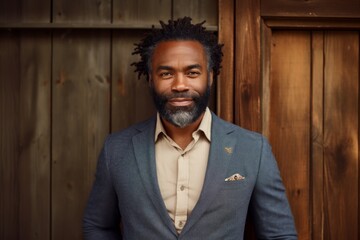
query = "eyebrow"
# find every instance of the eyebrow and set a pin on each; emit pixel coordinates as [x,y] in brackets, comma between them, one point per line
[192,66]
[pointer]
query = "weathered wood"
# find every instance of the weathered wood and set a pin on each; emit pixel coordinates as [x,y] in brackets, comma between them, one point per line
[25,11]
[131,99]
[198,10]
[93,11]
[289,122]
[81,112]
[341,135]
[141,11]
[247,64]
[317,136]
[34,166]
[311,8]
[225,85]
[9,135]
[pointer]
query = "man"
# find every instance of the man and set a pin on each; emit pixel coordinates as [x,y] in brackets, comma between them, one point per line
[185,174]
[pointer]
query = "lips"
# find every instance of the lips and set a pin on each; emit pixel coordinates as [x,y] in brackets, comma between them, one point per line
[180,102]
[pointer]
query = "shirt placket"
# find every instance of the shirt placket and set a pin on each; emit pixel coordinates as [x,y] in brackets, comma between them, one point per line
[182,192]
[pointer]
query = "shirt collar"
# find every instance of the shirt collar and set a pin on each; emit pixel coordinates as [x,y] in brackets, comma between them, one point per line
[205,126]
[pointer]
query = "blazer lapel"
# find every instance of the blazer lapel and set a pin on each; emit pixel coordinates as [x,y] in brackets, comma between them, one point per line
[219,158]
[144,148]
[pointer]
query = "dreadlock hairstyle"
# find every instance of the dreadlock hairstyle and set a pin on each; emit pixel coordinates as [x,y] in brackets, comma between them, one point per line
[181,29]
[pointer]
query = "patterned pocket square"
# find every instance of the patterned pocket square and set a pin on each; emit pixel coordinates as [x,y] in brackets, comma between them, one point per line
[235,177]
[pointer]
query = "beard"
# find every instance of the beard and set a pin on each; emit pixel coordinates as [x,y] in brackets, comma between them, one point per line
[181,116]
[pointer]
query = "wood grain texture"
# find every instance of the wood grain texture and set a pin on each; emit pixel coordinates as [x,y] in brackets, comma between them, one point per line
[25,11]
[9,135]
[81,117]
[311,8]
[247,64]
[141,11]
[25,136]
[341,135]
[317,135]
[225,85]
[89,11]
[289,122]
[198,10]
[131,99]
[34,142]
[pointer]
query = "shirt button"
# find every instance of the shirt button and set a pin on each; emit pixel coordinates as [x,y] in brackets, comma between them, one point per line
[182,188]
[181,224]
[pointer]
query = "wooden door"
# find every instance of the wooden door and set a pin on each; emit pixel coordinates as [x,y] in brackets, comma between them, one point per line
[295,78]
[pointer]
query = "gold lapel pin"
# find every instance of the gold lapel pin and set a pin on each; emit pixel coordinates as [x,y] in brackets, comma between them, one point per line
[228,150]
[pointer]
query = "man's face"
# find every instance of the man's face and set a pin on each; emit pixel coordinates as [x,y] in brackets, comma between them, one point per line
[180,81]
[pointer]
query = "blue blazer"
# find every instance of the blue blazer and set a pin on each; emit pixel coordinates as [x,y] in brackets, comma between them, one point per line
[126,191]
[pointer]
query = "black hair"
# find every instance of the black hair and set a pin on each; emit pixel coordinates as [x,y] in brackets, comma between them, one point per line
[180,29]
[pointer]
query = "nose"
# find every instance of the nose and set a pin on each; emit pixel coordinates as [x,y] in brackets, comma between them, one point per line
[180,83]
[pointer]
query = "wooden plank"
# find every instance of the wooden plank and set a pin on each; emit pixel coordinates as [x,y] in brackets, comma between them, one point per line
[34,142]
[341,135]
[81,117]
[9,135]
[141,11]
[25,11]
[198,10]
[289,122]
[96,11]
[225,85]
[317,133]
[266,38]
[247,64]
[311,8]
[131,100]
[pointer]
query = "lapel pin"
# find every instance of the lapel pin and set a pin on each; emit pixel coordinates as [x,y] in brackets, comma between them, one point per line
[228,150]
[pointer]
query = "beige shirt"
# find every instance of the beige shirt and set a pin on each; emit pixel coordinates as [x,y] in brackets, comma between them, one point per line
[181,172]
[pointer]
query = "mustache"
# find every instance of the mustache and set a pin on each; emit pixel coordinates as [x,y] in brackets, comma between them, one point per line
[180,95]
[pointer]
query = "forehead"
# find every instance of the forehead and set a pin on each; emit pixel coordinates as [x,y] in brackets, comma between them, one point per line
[179,50]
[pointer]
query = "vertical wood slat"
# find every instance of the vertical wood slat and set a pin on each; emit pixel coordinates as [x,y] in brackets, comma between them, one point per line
[25,136]
[9,135]
[225,85]
[317,136]
[198,10]
[34,167]
[81,112]
[25,11]
[247,64]
[131,99]
[341,118]
[141,12]
[83,11]
[289,121]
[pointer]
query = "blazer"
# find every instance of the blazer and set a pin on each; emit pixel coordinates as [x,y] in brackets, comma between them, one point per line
[126,194]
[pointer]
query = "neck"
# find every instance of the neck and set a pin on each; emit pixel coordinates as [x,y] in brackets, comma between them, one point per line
[182,136]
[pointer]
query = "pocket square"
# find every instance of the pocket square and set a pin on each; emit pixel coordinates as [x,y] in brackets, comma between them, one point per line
[235,177]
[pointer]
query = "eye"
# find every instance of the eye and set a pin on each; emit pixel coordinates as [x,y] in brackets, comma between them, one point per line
[165,75]
[193,74]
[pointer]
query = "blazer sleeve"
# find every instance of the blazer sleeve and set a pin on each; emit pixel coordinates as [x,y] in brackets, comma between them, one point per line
[102,218]
[269,206]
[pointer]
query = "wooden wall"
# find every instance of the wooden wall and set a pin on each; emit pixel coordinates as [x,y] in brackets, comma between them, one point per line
[66,82]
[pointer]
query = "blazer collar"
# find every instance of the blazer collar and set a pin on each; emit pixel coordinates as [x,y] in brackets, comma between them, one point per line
[144,149]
